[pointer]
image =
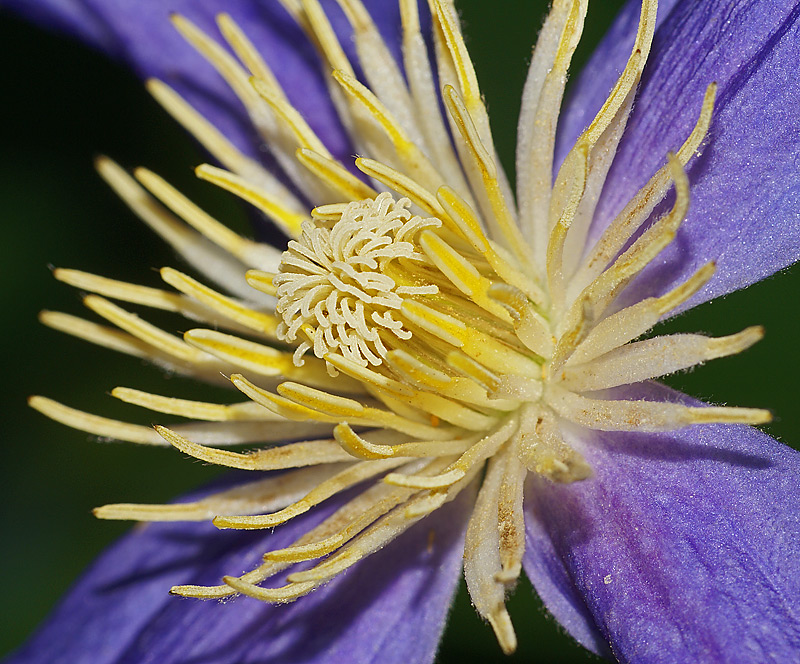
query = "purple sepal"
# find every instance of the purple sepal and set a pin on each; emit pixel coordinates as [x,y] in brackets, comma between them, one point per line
[684,545]
[390,607]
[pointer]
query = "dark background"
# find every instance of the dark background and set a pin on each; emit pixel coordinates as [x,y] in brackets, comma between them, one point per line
[63,105]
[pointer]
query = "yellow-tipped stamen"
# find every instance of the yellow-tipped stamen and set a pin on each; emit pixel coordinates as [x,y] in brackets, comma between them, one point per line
[478,452]
[413,159]
[666,355]
[381,70]
[293,455]
[482,555]
[247,251]
[437,406]
[148,333]
[400,183]
[253,320]
[262,360]
[554,260]
[94,424]
[637,211]
[462,215]
[325,35]
[274,492]
[539,112]
[421,84]
[218,57]
[631,322]
[350,476]
[272,207]
[201,254]
[482,348]
[246,51]
[215,142]
[101,335]
[120,290]
[198,410]
[502,216]
[353,411]
[304,135]
[613,415]
[361,448]
[262,281]
[335,176]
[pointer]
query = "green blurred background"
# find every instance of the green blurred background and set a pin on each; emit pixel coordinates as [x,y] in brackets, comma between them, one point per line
[63,105]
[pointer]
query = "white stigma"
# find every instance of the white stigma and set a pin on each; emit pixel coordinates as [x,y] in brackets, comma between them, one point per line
[336,284]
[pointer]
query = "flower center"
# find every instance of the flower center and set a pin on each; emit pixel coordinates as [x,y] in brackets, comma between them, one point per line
[337,285]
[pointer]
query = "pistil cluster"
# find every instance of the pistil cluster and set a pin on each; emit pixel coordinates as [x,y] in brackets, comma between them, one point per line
[429,333]
[335,282]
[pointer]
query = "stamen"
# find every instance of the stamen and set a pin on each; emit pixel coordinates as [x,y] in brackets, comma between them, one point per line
[482,559]
[462,215]
[461,273]
[101,335]
[381,70]
[148,333]
[616,415]
[94,424]
[120,290]
[544,89]
[304,135]
[268,494]
[348,477]
[263,360]
[198,410]
[438,406]
[215,142]
[633,321]
[253,320]
[357,413]
[246,51]
[208,259]
[421,82]
[402,184]
[475,455]
[496,355]
[292,455]
[361,448]
[333,174]
[652,358]
[502,216]
[287,220]
[376,536]
[245,250]
[638,210]
[418,165]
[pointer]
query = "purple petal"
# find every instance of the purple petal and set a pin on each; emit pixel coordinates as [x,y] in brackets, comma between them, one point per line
[390,607]
[745,199]
[139,33]
[684,545]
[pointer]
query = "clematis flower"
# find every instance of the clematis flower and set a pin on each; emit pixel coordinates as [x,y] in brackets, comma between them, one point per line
[457,370]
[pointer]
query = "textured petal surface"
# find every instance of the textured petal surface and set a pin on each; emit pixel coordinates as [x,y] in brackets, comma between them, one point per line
[745,209]
[390,607]
[139,33]
[684,545]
